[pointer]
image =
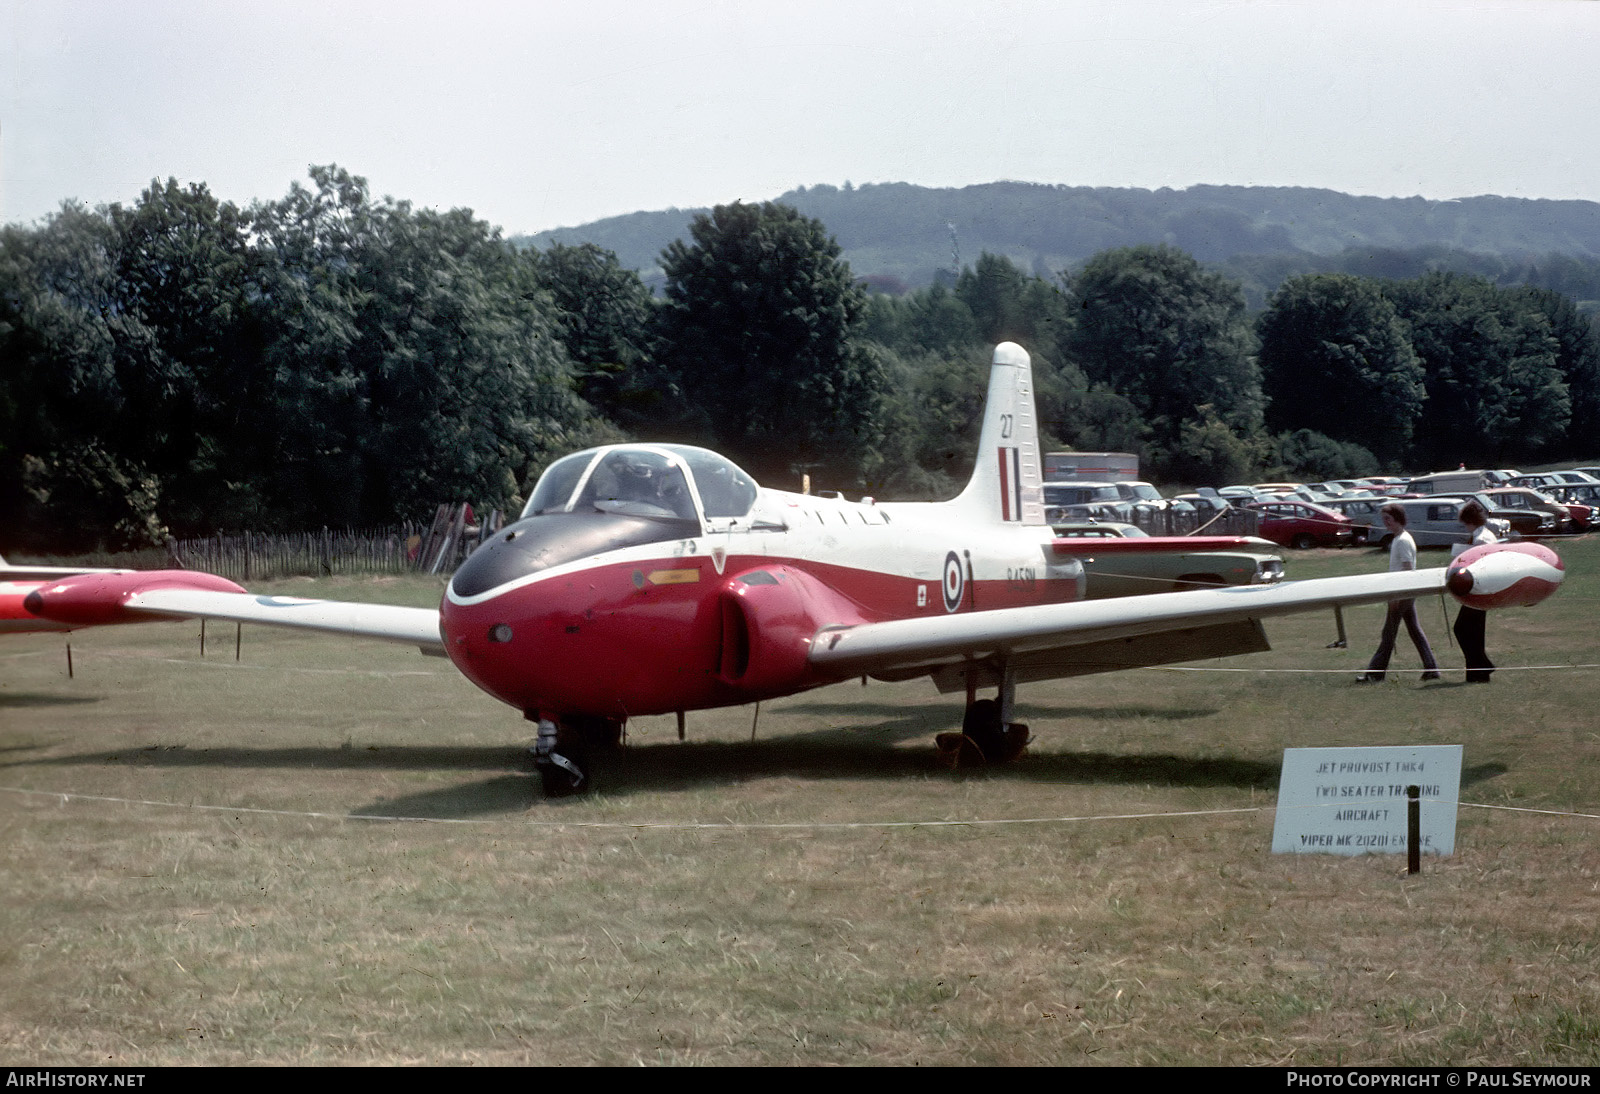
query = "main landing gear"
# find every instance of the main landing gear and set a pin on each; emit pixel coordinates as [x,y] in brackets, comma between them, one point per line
[988,735]
[564,749]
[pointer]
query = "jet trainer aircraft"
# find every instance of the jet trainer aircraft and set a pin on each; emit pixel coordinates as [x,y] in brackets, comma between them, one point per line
[656,578]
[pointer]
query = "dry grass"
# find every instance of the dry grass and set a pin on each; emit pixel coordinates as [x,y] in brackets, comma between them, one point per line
[515,930]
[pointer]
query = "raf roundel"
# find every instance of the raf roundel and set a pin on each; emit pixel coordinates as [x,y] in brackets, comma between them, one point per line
[954,582]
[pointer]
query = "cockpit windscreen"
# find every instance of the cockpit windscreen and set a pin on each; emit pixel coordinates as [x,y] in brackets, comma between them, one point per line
[644,481]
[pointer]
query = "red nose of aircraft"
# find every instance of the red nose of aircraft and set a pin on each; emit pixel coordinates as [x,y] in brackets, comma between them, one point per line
[499,646]
[609,640]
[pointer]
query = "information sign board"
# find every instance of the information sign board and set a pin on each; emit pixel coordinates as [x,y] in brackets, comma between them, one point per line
[1352,801]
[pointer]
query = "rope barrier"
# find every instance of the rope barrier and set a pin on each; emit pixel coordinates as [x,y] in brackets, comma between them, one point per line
[66,796]
[1362,670]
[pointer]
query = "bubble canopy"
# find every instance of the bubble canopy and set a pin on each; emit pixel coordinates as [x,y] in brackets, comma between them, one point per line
[657,480]
[604,499]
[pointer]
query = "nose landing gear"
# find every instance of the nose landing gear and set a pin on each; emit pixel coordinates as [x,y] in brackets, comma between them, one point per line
[563,749]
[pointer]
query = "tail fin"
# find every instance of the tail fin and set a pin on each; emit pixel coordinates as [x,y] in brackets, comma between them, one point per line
[1006,485]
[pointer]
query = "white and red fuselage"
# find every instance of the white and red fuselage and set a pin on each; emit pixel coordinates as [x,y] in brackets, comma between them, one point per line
[727,616]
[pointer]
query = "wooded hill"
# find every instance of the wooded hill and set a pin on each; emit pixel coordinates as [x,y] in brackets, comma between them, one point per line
[898,236]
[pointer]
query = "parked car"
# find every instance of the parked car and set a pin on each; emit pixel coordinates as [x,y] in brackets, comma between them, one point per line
[1435,522]
[1301,524]
[1537,482]
[1520,497]
[1162,564]
[1093,511]
[1144,496]
[1523,523]
[1577,493]
[1364,513]
[1205,506]
[1062,499]
[1581,514]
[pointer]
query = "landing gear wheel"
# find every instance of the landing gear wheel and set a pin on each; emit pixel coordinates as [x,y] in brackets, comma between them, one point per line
[981,725]
[983,738]
[561,758]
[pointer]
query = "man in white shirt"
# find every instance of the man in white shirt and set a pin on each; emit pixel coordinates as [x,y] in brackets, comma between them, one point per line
[1402,556]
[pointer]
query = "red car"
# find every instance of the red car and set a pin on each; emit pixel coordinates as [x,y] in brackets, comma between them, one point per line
[1302,524]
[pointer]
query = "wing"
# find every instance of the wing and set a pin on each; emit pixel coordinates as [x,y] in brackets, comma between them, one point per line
[386,622]
[1100,636]
[99,599]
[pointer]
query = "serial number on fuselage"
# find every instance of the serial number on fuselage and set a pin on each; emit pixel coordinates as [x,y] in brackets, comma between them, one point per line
[1021,577]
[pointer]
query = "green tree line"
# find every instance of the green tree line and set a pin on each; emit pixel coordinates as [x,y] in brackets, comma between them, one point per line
[184,365]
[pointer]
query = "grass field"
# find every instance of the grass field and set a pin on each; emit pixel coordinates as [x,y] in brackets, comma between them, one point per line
[188,879]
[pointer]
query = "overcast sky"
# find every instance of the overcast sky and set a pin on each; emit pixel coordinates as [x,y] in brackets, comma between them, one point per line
[543,114]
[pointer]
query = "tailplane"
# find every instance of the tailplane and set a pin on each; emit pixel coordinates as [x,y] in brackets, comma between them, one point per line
[1006,485]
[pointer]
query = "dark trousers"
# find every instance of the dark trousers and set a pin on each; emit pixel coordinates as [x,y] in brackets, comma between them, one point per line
[1401,611]
[1469,636]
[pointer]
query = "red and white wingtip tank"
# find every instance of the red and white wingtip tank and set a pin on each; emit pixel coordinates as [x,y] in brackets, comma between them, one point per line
[1504,575]
[49,598]
[644,578]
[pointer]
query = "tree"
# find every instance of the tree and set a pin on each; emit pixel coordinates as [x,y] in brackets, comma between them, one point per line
[931,320]
[756,331]
[416,360]
[993,292]
[1578,359]
[602,314]
[1154,327]
[1495,388]
[1336,360]
[196,386]
[62,334]
[1209,450]
[1307,454]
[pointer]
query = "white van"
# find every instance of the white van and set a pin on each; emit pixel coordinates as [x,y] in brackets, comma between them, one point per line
[1435,522]
[1449,482]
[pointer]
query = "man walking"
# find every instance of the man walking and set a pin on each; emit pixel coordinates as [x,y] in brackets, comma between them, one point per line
[1402,556]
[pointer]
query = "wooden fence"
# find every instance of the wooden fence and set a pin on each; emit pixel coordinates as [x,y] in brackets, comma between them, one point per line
[255,556]
[436,548]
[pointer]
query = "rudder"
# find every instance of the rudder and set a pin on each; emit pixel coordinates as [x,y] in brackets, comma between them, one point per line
[1006,484]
